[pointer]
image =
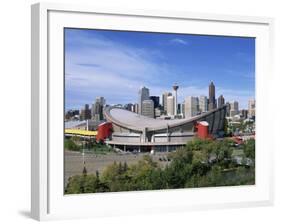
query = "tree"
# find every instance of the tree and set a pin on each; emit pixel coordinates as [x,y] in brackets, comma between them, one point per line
[69,144]
[184,155]
[249,149]
[85,184]
[177,173]
[197,144]
[84,171]
[125,167]
[190,166]
[74,185]
[90,184]
[224,152]
[211,178]
[140,174]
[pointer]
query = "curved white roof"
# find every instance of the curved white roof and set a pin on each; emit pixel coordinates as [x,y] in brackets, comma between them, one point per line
[134,121]
[139,121]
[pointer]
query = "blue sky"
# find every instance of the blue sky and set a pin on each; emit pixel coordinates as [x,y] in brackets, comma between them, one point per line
[115,64]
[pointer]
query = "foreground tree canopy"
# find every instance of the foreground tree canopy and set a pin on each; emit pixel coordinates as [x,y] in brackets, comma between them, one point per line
[201,163]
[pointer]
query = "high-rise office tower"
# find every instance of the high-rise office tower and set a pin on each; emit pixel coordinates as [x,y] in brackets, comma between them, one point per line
[227,109]
[212,96]
[170,105]
[221,101]
[164,100]
[183,109]
[157,112]
[251,108]
[85,113]
[203,104]
[143,95]
[191,106]
[179,108]
[129,106]
[148,108]
[101,100]
[136,108]
[244,113]
[97,110]
[234,108]
[175,88]
[155,100]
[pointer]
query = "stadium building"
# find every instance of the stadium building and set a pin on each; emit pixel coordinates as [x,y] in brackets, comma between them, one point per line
[132,131]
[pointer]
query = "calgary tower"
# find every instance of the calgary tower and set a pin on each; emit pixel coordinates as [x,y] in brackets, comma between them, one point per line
[175,88]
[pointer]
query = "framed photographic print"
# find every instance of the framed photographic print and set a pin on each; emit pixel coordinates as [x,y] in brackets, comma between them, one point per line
[161,111]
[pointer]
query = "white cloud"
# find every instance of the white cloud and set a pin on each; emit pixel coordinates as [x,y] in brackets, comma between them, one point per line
[114,71]
[101,67]
[179,41]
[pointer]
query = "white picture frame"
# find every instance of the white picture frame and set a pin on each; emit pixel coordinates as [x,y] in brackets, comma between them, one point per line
[48,201]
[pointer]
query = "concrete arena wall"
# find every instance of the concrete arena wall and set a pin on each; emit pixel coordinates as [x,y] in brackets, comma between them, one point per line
[180,138]
[175,138]
[122,137]
[177,134]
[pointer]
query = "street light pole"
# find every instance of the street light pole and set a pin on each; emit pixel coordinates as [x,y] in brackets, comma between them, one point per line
[83,155]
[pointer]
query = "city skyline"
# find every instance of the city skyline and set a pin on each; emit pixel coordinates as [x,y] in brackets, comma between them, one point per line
[157,61]
[204,106]
[192,105]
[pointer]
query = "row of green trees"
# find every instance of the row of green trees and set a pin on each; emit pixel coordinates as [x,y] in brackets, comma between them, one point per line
[201,163]
[76,144]
[71,145]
